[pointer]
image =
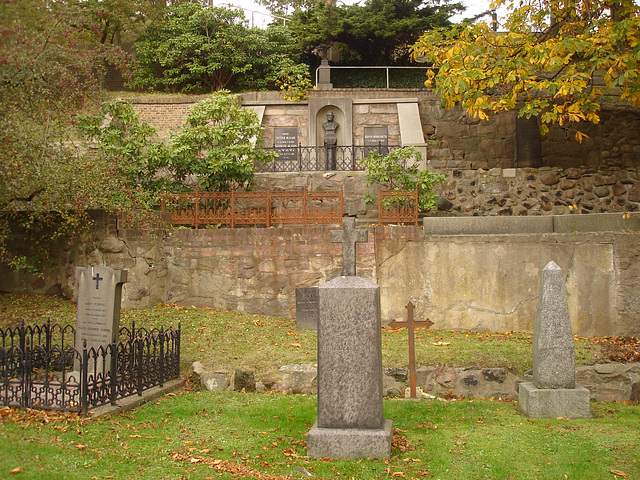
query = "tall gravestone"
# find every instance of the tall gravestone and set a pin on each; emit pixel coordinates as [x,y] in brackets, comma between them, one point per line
[99,299]
[350,412]
[553,392]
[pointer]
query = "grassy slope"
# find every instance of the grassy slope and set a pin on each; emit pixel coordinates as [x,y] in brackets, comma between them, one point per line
[202,435]
[225,340]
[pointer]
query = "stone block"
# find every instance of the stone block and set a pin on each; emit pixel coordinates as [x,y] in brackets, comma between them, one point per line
[486,225]
[349,355]
[243,380]
[216,382]
[350,443]
[554,402]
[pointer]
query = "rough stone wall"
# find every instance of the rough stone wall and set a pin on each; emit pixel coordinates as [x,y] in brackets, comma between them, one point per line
[614,142]
[142,254]
[540,191]
[373,115]
[496,191]
[254,270]
[461,282]
[294,115]
[491,282]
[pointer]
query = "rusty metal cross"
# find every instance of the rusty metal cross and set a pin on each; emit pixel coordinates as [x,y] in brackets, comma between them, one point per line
[411,325]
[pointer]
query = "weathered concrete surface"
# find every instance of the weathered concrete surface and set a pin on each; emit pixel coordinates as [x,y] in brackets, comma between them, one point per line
[490,283]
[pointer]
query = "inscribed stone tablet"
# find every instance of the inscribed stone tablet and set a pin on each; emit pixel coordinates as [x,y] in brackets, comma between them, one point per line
[376,137]
[307,308]
[285,141]
[99,298]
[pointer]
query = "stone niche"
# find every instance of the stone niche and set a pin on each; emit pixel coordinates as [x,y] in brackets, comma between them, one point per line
[343,112]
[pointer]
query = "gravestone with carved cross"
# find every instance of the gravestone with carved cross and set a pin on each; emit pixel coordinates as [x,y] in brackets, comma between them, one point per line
[350,415]
[99,299]
[411,324]
[349,236]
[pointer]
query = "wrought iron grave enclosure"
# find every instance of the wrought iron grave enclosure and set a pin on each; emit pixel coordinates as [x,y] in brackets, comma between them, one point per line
[41,368]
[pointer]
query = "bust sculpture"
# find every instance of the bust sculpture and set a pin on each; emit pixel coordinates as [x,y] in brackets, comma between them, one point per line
[330,141]
[330,127]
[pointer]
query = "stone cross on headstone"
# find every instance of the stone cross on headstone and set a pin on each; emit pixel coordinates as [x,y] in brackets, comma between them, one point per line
[553,392]
[349,236]
[411,325]
[99,298]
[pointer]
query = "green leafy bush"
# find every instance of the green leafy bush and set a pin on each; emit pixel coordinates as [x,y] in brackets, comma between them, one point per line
[400,170]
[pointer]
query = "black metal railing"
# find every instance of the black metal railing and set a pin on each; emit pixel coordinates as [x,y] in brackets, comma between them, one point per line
[302,159]
[41,368]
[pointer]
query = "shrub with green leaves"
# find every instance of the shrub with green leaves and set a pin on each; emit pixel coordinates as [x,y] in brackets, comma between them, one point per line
[217,145]
[123,138]
[400,170]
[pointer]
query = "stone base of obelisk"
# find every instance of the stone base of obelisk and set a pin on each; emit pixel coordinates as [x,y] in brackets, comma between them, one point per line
[554,402]
[350,443]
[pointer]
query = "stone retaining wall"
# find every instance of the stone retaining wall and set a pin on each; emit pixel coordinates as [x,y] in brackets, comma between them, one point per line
[482,282]
[612,382]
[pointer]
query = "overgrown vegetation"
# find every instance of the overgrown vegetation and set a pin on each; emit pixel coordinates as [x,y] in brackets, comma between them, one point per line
[400,169]
[46,184]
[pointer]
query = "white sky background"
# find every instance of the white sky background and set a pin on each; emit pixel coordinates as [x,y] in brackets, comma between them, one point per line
[258,15]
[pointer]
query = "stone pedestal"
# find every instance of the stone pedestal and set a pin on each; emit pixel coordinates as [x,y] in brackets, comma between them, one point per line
[350,443]
[350,417]
[554,402]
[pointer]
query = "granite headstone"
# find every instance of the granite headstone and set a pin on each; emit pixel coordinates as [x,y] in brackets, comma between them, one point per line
[350,417]
[553,392]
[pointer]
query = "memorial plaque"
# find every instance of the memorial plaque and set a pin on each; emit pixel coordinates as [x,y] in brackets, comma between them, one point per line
[307,308]
[99,298]
[285,141]
[377,137]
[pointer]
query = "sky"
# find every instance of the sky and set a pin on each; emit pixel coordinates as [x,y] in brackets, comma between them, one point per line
[256,13]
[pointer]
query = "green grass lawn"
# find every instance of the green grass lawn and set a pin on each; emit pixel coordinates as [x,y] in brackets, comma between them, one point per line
[208,435]
[227,340]
[200,435]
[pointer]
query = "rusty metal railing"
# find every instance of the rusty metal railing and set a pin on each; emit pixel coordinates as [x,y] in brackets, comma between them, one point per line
[398,206]
[268,208]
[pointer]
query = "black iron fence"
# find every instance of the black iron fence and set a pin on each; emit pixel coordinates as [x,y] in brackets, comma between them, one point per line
[41,368]
[303,159]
